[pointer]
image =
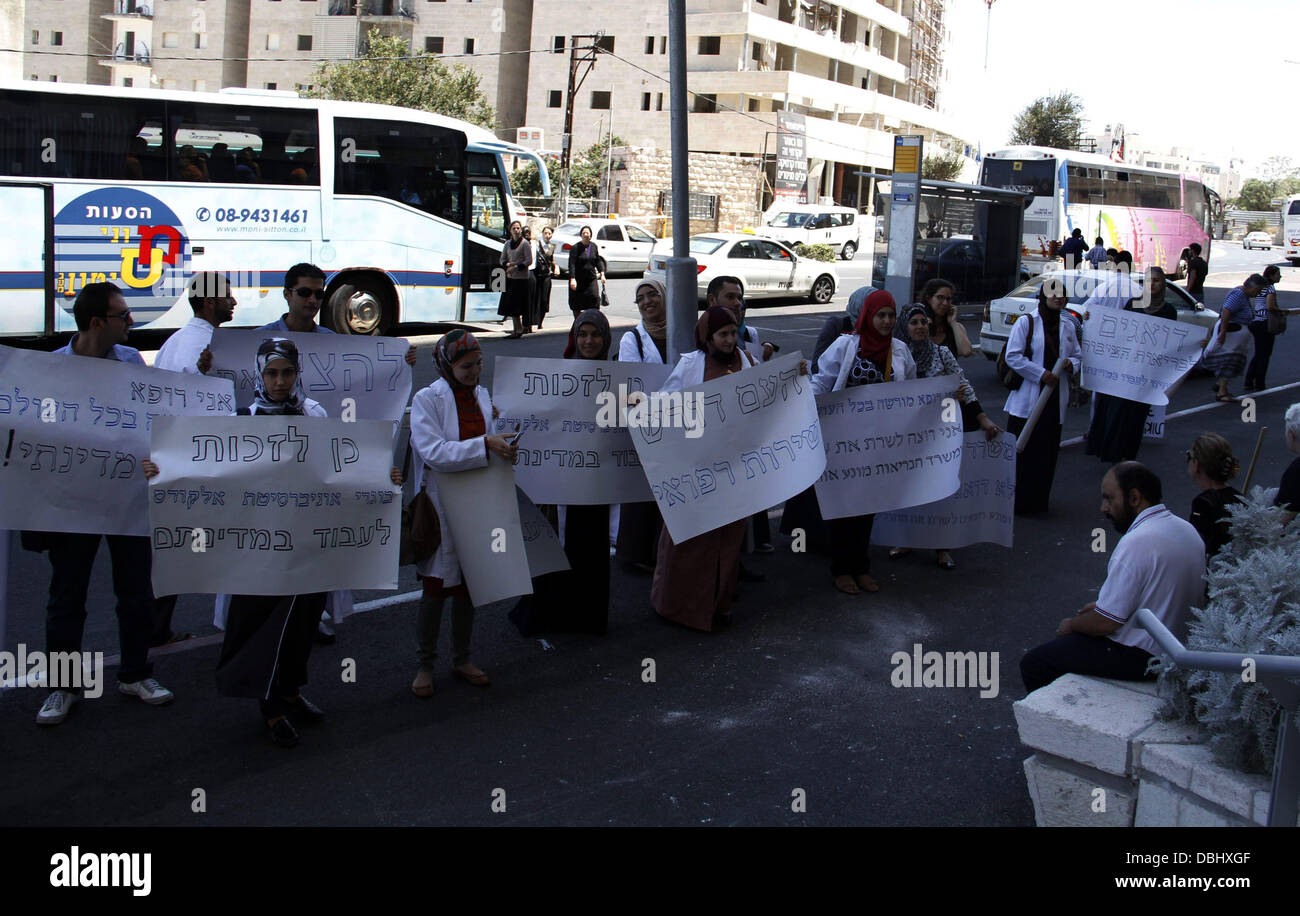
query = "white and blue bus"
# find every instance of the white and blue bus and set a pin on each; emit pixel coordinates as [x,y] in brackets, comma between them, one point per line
[405,211]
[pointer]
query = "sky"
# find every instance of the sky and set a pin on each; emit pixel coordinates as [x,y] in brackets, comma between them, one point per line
[1201,75]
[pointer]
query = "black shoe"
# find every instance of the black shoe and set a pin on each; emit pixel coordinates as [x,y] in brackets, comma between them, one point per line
[283,733]
[750,576]
[304,710]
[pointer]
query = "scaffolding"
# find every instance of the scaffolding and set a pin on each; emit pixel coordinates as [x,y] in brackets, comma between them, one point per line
[926,68]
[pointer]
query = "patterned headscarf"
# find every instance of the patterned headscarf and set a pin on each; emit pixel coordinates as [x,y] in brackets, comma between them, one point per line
[278,348]
[449,350]
[923,351]
[872,344]
[597,319]
[658,330]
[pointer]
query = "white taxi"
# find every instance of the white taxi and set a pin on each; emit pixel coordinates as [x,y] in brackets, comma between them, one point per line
[767,268]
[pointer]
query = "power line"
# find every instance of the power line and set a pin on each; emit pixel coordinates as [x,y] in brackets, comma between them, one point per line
[153,58]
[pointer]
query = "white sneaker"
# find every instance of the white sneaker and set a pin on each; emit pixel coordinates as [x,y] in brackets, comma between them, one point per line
[56,707]
[149,690]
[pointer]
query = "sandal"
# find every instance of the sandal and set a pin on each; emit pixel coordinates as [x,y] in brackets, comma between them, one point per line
[899,552]
[866,583]
[847,585]
[1225,399]
[467,672]
[422,686]
[944,559]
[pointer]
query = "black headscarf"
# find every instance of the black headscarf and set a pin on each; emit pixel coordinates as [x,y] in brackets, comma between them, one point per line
[597,319]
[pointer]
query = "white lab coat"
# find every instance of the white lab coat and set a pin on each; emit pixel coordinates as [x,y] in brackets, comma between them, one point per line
[627,352]
[834,365]
[435,440]
[689,371]
[1020,403]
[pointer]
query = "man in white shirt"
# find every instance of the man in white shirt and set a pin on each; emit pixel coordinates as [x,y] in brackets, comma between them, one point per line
[1116,290]
[187,349]
[1159,563]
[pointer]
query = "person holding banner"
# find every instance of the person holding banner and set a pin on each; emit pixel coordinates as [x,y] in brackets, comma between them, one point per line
[1211,464]
[639,524]
[449,433]
[103,322]
[1117,423]
[933,359]
[694,581]
[1225,355]
[577,599]
[871,355]
[1036,344]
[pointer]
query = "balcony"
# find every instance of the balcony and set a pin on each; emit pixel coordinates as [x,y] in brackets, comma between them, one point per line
[374,9]
[130,9]
[137,53]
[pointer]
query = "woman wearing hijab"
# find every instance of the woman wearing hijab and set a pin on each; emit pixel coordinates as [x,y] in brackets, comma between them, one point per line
[870,355]
[640,523]
[945,329]
[837,325]
[586,273]
[449,432]
[576,600]
[933,359]
[517,298]
[269,637]
[694,580]
[1115,433]
[1037,341]
[544,270]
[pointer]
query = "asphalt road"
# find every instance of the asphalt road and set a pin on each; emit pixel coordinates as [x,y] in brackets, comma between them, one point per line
[795,695]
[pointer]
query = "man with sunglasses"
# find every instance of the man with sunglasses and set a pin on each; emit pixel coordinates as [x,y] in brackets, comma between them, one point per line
[103,321]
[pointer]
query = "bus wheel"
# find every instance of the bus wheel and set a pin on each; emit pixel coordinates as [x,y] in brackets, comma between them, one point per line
[362,306]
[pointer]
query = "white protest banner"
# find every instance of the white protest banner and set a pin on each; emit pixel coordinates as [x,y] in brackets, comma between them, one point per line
[760,444]
[541,543]
[571,453]
[482,511]
[73,431]
[273,505]
[370,370]
[889,446]
[1135,356]
[981,511]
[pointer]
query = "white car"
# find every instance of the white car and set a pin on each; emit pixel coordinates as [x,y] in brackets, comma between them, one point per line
[625,246]
[1001,314]
[1257,240]
[767,268]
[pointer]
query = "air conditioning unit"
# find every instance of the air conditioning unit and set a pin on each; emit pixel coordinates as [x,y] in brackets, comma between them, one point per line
[529,137]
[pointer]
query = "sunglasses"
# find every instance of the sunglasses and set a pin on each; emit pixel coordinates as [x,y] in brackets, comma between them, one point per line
[306,292]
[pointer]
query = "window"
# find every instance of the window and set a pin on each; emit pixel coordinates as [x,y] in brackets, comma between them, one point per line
[753,105]
[305,88]
[557,44]
[649,44]
[663,44]
[171,40]
[36,38]
[128,81]
[645,101]
[415,164]
[710,45]
[609,233]
[200,85]
[745,251]
[659,101]
[240,145]
[469,46]
[488,210]
[433,44]
[54,79]
[304,42]
[756,50]
[639,235]
[600,99]
[200,41]
[271,85]
[606,43]
[554,99]
[56,39]
[272,42]
[705,103]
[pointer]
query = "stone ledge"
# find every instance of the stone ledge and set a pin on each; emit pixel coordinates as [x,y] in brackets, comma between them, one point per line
[1087,720]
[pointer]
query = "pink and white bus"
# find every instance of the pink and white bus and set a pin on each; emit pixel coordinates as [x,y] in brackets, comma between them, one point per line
[1151,213]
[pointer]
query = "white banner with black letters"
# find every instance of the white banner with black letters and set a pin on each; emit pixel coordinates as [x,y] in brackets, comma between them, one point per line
[1136,356]
[73,431]
[889,446]
[273,505]
[481,507]
[370,370]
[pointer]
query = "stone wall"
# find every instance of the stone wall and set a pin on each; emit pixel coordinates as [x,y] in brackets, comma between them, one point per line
[640,174]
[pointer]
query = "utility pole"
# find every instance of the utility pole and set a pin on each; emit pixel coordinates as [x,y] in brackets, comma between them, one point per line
[681,271]
[586,54]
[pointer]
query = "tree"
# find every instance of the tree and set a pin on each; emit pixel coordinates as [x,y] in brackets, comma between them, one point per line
[1052,120]
[943,167]
[586,171]
[390,74]
[1256,194]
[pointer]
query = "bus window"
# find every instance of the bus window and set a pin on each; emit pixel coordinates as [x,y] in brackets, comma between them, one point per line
[71,137]
[416,164]
[232,144]
[1037,176]
[489,213]
[1194,201]
[482,165]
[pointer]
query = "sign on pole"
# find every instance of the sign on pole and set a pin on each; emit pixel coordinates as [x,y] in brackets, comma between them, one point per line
[905,197]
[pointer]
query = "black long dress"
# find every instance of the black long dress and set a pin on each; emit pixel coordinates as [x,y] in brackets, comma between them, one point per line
[584,269]
[541,305]
[575,600]
[1115,433]
[1036,465]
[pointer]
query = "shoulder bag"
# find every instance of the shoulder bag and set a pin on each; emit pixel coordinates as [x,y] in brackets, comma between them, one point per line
[1011,380]
[1276,322]
[421,530]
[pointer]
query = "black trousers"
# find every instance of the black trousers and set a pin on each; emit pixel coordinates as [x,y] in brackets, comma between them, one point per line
[1036,465]
[268,641]
[1258,367]
[72,556]
[1076,653]
[850,540]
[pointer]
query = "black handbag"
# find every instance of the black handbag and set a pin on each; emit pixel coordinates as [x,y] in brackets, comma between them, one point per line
[604,299]
[1010,378]
[421,530]
[1276,323]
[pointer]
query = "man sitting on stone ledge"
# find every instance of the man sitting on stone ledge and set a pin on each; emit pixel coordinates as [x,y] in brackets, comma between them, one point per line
[1159,563]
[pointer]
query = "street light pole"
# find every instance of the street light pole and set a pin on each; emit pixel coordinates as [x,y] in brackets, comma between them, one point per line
[681,272]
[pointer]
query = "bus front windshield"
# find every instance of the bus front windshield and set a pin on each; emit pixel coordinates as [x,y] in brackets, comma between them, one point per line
[1036,176]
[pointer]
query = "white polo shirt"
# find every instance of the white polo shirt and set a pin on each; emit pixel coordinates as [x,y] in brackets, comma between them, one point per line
[1159,564]
[180,352]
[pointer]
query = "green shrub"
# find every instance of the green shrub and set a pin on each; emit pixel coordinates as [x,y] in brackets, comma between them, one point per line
[815,252]
[1258,225]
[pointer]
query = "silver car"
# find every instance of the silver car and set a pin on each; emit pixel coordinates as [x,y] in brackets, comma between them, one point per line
[767,268]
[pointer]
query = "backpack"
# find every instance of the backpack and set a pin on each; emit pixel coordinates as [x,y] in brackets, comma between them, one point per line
[1011,380]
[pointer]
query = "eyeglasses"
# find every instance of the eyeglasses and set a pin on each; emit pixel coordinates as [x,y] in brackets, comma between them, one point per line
[306,292]
[122,315]
[1189,456]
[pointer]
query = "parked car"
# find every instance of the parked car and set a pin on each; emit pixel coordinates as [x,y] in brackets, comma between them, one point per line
[963,262]
[1257,240]
[624,246]
[1001,314]
[767,268]
[813,224]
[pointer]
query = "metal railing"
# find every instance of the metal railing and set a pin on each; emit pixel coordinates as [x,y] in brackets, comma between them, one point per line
[139,56]
[132,8]
[1276,672]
